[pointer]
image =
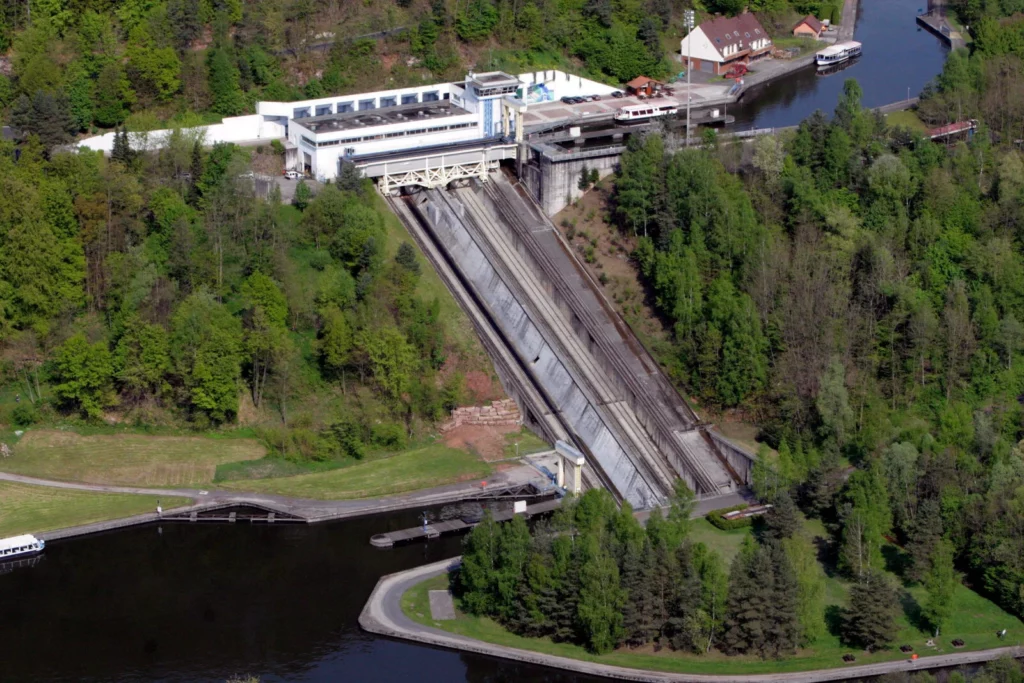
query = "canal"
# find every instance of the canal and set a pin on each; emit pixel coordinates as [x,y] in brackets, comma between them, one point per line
[195,602]
[898,55]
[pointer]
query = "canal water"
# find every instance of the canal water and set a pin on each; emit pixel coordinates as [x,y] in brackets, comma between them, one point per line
[195,602]
[898,55]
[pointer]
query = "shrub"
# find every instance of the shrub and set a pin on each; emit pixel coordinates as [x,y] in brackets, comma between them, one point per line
[277,147]
[717,519]
[24,414]
[320,259]
[603,278]
[390,435]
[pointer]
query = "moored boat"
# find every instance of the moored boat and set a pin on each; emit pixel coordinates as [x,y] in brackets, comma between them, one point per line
[838,53]
[20,546]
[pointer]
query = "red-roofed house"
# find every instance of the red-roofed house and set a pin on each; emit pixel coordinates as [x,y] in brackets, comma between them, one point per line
[718,44]
[809,26]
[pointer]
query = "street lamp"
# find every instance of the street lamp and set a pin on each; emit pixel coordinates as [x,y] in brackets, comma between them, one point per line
[688,21]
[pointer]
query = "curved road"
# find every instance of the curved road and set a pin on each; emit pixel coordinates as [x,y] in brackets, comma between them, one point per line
[383,615]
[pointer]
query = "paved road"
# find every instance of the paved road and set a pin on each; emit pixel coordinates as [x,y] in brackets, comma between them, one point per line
[383,615]
[849,20]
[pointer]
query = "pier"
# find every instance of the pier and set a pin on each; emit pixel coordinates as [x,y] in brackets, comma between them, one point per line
[449,526]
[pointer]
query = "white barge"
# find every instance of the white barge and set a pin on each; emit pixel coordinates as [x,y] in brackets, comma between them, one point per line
[838,53]
[20,546]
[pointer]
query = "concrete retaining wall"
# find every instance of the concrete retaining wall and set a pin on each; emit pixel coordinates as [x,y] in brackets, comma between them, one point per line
[234,129]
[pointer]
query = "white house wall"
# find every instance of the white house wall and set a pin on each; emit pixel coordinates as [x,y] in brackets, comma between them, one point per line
[701,47]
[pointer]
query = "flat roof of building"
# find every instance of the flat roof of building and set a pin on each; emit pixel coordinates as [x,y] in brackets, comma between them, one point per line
[493,78]
[368,118]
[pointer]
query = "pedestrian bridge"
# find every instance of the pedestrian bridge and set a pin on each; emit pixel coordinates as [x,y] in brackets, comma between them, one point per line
[436,166]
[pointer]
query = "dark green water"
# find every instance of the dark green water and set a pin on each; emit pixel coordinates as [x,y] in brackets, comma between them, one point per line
[194,602]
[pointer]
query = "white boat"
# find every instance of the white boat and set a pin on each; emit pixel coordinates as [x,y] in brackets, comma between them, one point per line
[647,111]
[838,53]
[20,546]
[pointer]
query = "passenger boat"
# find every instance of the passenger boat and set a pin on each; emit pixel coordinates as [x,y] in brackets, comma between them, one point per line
[647,110]
[20,546]
[838,53]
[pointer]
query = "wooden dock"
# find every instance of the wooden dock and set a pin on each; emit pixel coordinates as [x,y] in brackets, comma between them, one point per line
[435,529]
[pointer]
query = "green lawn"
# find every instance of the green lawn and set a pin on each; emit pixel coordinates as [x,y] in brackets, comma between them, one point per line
[906,118]
[419,468]
[31,509]
[125,459]
[976,622]
[725,543]
[528,443]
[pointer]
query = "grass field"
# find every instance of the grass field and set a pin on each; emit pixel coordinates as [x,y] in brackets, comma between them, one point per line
[431,465]
[907,119]
[125,459]
[528,443]
[725,543]
[32,509]
[976,621]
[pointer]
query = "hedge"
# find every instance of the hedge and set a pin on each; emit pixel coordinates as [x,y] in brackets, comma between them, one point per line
[717,519]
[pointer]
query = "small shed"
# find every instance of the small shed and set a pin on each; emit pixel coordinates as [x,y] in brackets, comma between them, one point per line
[642,85]
[809,26]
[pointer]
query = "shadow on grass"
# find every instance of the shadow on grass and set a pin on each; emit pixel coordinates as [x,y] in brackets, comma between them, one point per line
[835,616]
[913,612]
[826,557]
[896,560]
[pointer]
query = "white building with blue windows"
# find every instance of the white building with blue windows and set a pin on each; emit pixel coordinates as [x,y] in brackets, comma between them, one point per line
[321,133]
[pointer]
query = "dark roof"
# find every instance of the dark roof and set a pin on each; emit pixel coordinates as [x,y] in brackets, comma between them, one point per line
[812,23]
[739,31]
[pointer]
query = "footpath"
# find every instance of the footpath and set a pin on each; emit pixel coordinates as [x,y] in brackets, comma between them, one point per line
[383,615]
[308,510]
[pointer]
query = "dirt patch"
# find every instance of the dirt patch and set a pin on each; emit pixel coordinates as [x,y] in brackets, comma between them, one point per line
[481,387]
[605,251]
[486,441]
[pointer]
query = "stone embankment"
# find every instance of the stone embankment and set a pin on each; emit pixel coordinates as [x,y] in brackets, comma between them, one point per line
[498,414]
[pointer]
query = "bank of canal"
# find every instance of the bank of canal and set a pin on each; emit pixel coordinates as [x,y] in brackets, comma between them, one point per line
[898,55]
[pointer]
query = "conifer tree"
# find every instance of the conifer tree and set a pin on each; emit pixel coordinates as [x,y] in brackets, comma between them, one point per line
[924,535]
[783,520]
[745,628]
[683,625]
[871,618]
[643,614]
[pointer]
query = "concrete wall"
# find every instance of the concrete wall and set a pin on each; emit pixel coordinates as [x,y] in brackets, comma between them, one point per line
[563,84]
[536,353]
[234,129]
[553,183]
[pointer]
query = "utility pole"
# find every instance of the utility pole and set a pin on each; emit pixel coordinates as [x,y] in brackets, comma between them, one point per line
[688,20]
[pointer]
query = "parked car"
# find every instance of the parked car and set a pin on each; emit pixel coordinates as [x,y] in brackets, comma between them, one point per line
[618,93]
[292,175]
[595,98]
[567,100]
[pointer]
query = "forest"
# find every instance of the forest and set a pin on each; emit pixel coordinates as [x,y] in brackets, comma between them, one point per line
[857,292]
[160,289]
[70,66]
